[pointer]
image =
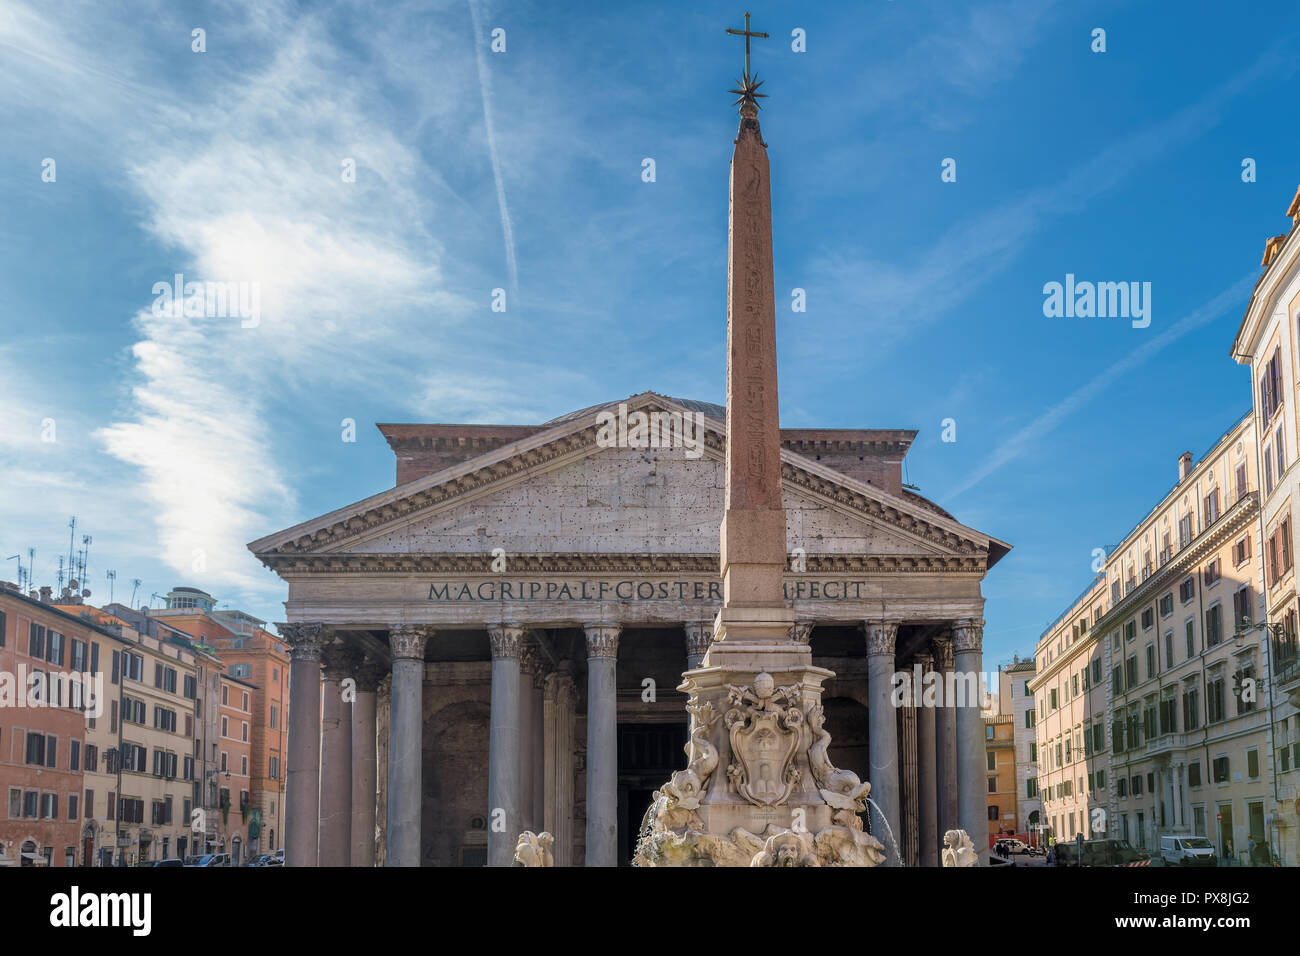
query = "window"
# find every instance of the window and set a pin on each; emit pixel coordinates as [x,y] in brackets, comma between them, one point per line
[1121,785]
[1151,661]
[1279,446]
[72,806]
[1187,590]
[133,667]
[1252,764]
[274,764]
[1096,671]
[1191,709]
[1130,630]
[1184,531]
[245,706]
[1167,604]
[1211,573]
[225,726]
[1148,619]
[90,804]
[1031,787]
[1137,785]
[225,694]
[49,806]
[36,641]
[243,765]
[244,731]
[1270,386]
[1220,769]
[275,714]
[92,758]
[1131,671]
[1268,470]
[1189,630]
[1194,774]
[1241,481]
[1214,699]
[189,687]
[1169,648]
[1241,608]
[1241,551]
[1213,626]
[1212,507]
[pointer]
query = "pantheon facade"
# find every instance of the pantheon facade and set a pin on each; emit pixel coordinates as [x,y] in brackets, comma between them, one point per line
[494,644]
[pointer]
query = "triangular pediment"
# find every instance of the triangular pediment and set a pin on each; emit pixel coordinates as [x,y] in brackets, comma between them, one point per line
[564,491]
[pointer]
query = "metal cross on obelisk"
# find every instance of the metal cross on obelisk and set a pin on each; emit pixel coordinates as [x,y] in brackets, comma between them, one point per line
[747,87]
[746,33]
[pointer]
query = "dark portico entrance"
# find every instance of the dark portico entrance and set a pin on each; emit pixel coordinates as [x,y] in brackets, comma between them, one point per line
[647,756]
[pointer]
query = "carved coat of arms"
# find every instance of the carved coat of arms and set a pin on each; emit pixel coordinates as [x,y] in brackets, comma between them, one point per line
[765,725]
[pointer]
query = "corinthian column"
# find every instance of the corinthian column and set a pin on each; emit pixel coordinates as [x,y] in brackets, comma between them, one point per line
[972,791]
[911,804]
[302,777]
[336,758]
[365,765]
[530,753]
[882,725]
[561,695]
[602,744]
[699,635]
[503,744]
[406,744]
[945,736]
[925,760]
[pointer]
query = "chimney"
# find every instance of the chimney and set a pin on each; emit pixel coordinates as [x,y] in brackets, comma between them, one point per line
[1184,465]
[47,593]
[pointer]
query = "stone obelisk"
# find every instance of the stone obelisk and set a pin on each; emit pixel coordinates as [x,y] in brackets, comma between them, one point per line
[759,788]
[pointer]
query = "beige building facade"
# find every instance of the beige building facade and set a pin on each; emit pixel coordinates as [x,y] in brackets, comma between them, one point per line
[1153,717]
[1268,341]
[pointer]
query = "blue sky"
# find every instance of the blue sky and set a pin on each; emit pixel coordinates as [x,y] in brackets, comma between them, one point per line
[180,440]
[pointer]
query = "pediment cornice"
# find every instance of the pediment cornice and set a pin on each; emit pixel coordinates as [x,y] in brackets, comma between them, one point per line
[526,565]
[569,441]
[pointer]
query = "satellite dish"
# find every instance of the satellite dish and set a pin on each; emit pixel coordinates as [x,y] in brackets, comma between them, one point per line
[85,592]
[72,583]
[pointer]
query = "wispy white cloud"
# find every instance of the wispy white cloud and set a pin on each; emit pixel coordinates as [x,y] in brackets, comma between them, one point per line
[1021,441]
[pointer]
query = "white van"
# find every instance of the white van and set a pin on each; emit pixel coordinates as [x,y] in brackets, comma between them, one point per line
[1187,851]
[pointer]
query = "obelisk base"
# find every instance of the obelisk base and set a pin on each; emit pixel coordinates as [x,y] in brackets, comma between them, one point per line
[759,788]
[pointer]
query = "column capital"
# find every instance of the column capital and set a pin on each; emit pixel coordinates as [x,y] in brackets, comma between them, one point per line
[340,661]
[699,635]
[801,631]
[305,638]
[407,641]
[531,663]
[560,686]
[926,660]
[506,639]
[369,673]
[943,656]
[602,639]
[881,636]
[968,634]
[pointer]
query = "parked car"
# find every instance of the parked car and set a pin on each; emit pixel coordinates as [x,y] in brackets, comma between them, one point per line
[172,862]
[268,859]
[211,859]
[1096,853]
[1187,851]
[1012,845]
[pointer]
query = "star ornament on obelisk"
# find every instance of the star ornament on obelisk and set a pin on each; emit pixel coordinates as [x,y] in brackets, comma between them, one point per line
[748,84]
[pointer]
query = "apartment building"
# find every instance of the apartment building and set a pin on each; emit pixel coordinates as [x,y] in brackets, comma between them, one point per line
[1017,701]
[254,654]
[1069,704]
[1000,754]
[234,769]
[1161,652]
[44,728]
[1268,340]
[150,754]
[204,836]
